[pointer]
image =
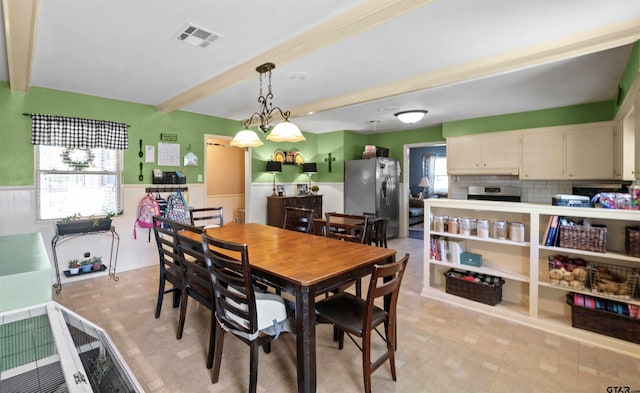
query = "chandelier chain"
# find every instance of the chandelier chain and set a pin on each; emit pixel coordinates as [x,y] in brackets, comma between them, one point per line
[266,105]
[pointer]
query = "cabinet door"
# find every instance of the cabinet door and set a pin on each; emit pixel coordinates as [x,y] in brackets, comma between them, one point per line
[589,153]
[501,151]
[542,155]
[624,148]
[463,153]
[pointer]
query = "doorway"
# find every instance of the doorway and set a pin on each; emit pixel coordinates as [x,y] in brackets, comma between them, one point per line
[225,177]
[422,161]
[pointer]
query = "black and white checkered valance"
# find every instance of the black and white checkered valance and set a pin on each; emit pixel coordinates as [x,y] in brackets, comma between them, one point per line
[78,133]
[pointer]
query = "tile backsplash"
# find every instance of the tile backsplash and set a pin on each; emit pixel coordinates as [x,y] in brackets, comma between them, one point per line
[534,191]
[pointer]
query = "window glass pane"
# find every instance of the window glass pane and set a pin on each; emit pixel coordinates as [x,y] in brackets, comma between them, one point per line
[441,181]
[87,184]
[52,158]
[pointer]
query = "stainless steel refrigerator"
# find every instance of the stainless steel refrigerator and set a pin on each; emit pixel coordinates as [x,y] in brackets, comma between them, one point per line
[373,186]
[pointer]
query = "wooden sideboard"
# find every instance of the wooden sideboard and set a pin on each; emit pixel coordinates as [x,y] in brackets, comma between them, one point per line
[276,205]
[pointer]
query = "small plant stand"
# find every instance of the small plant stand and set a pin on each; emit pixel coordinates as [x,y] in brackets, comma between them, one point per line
[67,234]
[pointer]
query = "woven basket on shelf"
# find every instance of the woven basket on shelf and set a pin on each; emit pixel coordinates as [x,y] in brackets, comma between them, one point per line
[604,322]
[632,241]
[483,293]
[583,238]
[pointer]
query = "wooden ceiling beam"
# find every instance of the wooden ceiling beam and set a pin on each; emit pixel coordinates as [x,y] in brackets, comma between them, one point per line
[593,41]
[361,18]
[20,24]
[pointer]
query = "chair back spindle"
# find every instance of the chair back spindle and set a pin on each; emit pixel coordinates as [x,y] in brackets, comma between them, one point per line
[207,217]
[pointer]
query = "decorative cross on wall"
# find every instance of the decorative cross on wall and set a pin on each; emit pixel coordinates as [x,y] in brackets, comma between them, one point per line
[329,160]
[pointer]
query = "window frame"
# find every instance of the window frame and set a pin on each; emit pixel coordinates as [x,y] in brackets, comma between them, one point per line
[445,176]
[118,172]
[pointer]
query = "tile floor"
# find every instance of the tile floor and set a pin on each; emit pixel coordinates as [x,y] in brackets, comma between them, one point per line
[442,348]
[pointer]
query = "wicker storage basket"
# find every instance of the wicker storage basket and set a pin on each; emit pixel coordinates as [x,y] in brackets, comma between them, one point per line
[613,281]
[479,292]
[632,241]
[604,322]
[583,238]
[575,281]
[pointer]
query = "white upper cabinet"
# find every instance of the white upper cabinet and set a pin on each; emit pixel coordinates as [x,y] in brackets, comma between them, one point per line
[589,153]
[492,153]
[573,152]
[542,155]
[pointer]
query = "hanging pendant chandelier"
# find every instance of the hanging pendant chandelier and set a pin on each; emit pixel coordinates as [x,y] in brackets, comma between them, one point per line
[285,131]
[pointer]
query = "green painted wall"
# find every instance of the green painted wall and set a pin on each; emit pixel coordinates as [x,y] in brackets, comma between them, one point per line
[393,142]
[334,143]
[17,164]
[146,123]
[290,173]
[575,114]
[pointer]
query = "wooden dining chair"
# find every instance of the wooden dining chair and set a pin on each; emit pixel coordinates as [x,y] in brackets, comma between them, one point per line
[359,317]
[357,233]
[298,219]
[379,234]
[207,217]
[182,264]
[255,318]
[171,270]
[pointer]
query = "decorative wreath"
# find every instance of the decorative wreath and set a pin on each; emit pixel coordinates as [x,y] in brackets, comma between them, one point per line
[68,156]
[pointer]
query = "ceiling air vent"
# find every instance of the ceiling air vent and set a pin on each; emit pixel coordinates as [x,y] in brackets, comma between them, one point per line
[197,36]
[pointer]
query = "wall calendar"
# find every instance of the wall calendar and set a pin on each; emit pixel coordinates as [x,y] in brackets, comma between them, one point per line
[168,154]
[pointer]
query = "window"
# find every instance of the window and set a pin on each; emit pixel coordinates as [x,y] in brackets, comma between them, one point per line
[441,179]
[84,181]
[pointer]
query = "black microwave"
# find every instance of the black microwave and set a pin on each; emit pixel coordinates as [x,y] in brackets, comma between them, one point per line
[591,190]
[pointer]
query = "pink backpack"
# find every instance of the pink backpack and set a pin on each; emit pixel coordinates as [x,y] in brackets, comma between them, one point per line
[147,208]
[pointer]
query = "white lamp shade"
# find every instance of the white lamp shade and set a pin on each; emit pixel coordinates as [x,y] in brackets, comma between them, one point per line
[246,138]
[424,182]
[409,117]
[286,132]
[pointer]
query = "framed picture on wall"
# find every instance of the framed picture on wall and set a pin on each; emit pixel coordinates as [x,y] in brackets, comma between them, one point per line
[302,189]
[281,190]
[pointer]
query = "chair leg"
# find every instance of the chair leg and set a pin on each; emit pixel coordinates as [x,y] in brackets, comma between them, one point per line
[183,314]
[177,293]
[391,348]
[340,338]
[160,296]
[359,288]
[253,367]
[215,374]
[212,339]
[366,362]
[392,363]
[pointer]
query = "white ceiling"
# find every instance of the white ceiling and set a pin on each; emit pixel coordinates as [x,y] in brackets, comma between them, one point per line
[364,61]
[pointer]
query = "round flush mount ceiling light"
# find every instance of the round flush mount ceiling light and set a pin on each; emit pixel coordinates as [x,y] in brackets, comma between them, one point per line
[411,116]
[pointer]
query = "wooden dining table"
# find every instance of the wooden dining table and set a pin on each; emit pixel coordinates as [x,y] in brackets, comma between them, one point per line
[304,266]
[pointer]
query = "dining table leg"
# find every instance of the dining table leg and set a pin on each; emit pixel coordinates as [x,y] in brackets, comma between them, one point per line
[306,338]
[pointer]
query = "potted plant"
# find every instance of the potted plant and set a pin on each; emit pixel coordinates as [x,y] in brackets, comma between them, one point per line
[75,223]
[315,189]
[96,263]
[85,265]
[74,266]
